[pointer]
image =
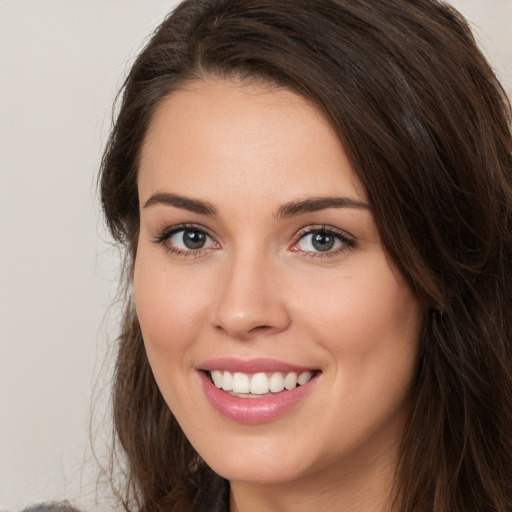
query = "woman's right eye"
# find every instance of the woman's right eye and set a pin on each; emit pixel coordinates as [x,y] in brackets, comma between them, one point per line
[186,241]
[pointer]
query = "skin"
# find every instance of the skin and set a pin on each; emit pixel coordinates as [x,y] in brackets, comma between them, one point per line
[259,288]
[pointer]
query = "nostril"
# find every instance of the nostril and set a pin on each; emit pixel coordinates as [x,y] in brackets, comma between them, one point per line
[261,328]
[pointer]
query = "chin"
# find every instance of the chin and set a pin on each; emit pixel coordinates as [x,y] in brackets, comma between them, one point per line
[269,472]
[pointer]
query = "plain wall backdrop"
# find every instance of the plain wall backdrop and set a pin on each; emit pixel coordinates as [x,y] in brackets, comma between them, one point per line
[61,64]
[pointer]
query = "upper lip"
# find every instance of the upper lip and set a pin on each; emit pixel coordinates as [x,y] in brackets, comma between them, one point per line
[231,364]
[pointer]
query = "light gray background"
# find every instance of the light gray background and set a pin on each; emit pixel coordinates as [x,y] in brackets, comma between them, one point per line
[61,63]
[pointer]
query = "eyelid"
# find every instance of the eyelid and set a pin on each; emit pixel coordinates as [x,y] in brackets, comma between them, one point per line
[166,233]
[348,240]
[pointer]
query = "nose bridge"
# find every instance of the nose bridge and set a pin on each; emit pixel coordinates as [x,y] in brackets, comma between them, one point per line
[250,300]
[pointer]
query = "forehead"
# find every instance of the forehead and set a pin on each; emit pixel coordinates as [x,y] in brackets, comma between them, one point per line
[224,136]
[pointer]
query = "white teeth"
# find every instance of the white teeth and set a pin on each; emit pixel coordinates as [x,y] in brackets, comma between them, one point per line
[258,383]
[276,384]
[241,383]
[217,378]
[304,377]
[290,381]
[227,381]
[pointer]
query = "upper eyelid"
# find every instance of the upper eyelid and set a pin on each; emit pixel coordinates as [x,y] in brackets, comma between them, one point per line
[171,230]
[167,232]
[306,230]
[347,240]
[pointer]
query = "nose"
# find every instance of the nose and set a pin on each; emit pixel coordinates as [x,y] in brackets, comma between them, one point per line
[251,300]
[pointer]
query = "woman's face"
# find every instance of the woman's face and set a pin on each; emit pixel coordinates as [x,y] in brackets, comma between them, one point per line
[259,265]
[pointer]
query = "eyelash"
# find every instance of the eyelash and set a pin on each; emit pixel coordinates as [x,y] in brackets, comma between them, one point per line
[347,242]
[167,233]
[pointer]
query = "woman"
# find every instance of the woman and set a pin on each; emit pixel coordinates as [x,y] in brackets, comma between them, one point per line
[315,202]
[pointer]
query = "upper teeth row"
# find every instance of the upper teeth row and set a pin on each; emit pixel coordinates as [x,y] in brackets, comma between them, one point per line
[258,383]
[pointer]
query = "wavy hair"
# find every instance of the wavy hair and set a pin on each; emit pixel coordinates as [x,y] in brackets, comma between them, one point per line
[427,129]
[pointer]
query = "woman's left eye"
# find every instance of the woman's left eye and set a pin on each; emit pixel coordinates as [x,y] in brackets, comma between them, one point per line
[322,241]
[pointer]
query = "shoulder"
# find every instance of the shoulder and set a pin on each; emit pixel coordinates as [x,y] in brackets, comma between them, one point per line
[52,507]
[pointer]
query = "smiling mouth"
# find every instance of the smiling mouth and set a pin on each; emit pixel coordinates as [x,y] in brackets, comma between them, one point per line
[258,385]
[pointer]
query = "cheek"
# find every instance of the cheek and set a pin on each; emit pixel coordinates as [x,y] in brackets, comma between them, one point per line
[168,307]
[369,321]
[371,328]
[168,303]
[361,305]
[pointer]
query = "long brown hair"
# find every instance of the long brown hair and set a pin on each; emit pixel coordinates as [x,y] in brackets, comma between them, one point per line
[427,128]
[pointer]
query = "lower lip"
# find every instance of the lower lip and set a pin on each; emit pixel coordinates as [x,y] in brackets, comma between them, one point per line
[254,410]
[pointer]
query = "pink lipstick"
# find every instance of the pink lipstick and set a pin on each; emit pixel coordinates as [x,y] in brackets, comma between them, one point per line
[255,391]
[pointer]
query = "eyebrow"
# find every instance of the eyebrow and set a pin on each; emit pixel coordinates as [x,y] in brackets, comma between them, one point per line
[315,204]
[193,205]
[291,209]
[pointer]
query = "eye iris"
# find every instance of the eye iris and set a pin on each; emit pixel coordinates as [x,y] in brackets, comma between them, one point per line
[323,241]
[194,239]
